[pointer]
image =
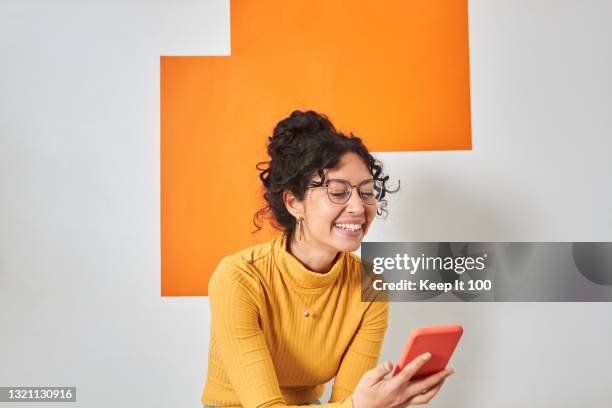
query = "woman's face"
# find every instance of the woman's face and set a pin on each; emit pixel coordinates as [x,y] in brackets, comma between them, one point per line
[321,215]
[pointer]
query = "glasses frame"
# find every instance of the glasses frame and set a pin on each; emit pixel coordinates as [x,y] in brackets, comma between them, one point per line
[346,182]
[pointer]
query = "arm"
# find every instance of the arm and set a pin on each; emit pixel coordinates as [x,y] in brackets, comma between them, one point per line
[363,352]
[241,343]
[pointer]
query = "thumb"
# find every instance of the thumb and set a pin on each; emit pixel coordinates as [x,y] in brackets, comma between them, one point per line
[378,373]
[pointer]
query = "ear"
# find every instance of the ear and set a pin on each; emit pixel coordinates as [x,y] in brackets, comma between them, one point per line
[293,205]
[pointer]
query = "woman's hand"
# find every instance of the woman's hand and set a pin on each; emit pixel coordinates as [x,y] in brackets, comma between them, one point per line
[374,391]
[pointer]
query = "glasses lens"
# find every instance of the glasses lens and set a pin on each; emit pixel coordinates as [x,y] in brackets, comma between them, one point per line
[369,192]
[338,191]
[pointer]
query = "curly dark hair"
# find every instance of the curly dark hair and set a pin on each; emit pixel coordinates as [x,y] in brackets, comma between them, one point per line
[301,146]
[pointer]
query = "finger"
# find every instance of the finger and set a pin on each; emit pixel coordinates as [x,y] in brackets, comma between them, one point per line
[430,381]
[410,369]
[426,396]
[378,373]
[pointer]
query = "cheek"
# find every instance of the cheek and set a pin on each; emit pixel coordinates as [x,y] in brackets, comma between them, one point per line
[371,210]
[330,216]
[323,213]
[371,214]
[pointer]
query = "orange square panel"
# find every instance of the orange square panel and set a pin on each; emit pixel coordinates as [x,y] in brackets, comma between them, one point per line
[395,73]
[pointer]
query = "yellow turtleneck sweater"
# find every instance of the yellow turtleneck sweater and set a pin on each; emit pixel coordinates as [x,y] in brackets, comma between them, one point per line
[280,331]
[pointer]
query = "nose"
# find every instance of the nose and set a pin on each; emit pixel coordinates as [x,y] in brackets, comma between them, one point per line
[354,205]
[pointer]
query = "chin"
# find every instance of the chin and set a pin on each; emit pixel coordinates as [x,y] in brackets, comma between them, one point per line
[350,248]
[346,245]
[346,242]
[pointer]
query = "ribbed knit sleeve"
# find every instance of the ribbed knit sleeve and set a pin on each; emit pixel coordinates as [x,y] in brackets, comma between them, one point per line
[233,295]
[363,352]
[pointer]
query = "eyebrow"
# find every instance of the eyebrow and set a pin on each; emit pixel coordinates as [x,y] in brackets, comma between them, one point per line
[339,179]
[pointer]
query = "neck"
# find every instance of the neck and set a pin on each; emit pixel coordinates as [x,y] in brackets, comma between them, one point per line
[313,257]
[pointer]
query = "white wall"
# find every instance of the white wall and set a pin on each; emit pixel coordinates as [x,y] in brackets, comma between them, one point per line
[79,174]
[79,207]
[539,170]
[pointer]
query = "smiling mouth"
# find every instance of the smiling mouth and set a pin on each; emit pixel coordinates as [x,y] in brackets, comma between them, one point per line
[349,227]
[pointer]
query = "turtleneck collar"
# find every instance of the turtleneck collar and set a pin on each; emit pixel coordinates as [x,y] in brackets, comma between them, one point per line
[303,277]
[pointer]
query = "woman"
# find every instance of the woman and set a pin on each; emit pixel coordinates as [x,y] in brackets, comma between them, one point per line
[287,315]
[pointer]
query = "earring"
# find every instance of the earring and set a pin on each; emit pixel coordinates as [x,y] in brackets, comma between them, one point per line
[300,234]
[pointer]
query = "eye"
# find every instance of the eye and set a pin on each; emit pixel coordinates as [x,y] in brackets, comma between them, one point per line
[338,194]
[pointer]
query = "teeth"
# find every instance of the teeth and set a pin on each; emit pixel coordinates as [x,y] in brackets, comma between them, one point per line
[352,227]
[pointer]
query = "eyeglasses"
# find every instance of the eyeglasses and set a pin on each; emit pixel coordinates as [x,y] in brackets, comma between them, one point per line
[339,190]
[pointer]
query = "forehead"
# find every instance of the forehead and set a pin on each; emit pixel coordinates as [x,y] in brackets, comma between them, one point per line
[350,167]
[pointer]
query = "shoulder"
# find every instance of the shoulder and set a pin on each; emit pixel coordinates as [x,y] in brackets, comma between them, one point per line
[250,255]
[353,263]
[239,270]
[366,277]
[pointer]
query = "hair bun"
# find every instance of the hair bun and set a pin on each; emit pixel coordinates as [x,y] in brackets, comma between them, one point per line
[298,125]
[303,123]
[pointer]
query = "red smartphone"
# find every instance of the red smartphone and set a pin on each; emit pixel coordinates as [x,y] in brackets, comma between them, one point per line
[440,341]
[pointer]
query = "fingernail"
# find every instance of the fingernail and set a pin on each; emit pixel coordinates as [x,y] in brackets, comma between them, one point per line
[427,356]
[451,372]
